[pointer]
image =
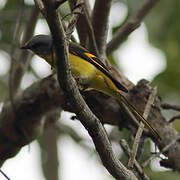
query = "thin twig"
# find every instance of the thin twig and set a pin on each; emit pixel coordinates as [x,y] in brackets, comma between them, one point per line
[92,40]
[135,145]
[166,148]
[132,23]
[100,17]
[81,23]
[141,126]
[67,130]
[64,129]
[174,118]
[4,175]
[16,35]
[72,24]
[85,29]
[18,69]
[170,106]
[136,166]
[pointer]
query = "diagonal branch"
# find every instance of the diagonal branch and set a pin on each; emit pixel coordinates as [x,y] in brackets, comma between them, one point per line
[45,95]
[170,106]
[81,23]
[85,28]
[132,23]
[87,118]
[141,127]
[100,17]
[71,26]
[136,165]
[21,65]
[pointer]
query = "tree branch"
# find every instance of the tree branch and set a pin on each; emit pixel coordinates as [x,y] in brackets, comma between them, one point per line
[76,12]
[132,23]
[141,127]
[45,95]
[21,64]
[68,84]
[170,106]
[100,17]
[35,102]
[85,28]
[136,165]
[48,143]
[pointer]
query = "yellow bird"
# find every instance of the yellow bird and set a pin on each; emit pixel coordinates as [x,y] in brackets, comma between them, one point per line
[93,74]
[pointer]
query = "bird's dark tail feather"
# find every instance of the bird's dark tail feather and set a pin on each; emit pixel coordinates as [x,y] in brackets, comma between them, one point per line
[133,110]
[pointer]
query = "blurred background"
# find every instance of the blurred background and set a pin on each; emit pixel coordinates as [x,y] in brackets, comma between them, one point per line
[151,52]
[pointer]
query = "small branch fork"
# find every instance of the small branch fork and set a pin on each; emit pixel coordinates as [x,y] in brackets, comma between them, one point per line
[139,168]
[140,129]
[136,167]
[68,84]
[76,12]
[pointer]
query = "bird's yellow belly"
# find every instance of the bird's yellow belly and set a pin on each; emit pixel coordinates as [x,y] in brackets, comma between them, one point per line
[81,68]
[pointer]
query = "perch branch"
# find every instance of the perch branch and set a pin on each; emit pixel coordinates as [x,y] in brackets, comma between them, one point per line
[141,127]
[87,118]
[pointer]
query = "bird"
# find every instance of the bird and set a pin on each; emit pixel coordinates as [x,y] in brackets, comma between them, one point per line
[91,71]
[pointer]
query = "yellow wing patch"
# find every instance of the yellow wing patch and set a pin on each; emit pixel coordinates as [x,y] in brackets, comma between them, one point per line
[91,56]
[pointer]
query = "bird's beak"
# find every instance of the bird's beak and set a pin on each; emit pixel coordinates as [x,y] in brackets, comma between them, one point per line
[24,47]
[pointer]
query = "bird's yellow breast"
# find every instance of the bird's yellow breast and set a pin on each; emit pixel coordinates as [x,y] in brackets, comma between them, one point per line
[80,68]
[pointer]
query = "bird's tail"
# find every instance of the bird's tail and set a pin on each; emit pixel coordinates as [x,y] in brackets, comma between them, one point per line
[134,111]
